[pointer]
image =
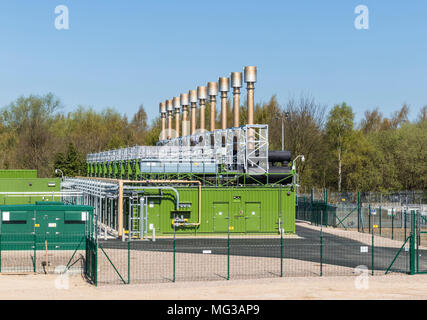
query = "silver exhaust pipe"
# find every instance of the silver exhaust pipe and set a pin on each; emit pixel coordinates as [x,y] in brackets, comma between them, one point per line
[236,83]
[250,79]
[193,106]
[177,107]
[202,95]
[184,104]
[162,109]
[169,108]
[212,92]
[224,87]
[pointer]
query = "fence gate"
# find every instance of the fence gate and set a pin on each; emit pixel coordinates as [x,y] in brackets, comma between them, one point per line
[415,243]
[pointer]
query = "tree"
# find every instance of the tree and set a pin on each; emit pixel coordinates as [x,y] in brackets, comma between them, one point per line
[304,135]
[372,122]
[400,117]
[339,128]
[422,116]
[270,113]
[30,119]
[72,163]
[139,125]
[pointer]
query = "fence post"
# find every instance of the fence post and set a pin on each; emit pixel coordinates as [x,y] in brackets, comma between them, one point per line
[412,244]
[35,252]
[0,252]
[326,207]
[321,253]
[392,223]
[358,211]
[311,205]
[129,261]
[404,215]
[96,262]
[373,254]
[321,248]
[174,248]
[369,216]
[281,251]
[228,248]
[379,213]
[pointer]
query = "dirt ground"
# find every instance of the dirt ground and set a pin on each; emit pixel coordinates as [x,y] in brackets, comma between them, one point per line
[51,287]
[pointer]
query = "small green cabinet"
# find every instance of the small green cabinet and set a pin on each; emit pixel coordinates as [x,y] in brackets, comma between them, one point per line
[60,226]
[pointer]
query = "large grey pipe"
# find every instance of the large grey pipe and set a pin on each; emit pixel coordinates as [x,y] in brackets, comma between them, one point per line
[126,187]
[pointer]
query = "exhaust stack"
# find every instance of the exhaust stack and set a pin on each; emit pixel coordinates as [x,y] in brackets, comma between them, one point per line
[202,95]
[169,109]
[177,107]
[184,105]
[250,79]
[224,87]
[162,109]
[193,105]
[212,92]
[236,83]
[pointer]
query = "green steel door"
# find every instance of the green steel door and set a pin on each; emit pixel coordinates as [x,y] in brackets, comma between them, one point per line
[48,229]
[74,222]
[17,222]
[220,217]
[49,222]
[253,216]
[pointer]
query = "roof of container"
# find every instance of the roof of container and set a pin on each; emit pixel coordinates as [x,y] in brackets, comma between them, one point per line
[45,207]
[17,173]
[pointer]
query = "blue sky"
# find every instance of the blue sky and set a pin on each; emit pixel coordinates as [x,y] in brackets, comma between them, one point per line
[125,53]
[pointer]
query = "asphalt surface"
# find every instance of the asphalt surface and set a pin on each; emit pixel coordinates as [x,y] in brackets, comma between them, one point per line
[336,250]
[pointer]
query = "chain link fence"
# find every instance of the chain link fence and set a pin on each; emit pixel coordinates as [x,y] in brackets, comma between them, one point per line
[29,253]
[387,213]
[314,250]
[335,234]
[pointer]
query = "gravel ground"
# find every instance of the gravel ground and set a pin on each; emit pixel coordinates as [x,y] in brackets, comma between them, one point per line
[307,288]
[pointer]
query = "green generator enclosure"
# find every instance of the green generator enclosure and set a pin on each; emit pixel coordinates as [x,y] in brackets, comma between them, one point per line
[23,185]
[240,210]
[55,224]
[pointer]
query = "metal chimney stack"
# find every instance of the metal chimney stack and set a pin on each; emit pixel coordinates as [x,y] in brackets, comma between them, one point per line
[212,92]
[224,87]
[184,105]
[193,105]
[250,79]
[177,107]
[202,95]
[162,109]
[236,83]
[169,109]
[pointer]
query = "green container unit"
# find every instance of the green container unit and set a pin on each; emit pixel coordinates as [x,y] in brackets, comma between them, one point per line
[240,210]
[62,226]
[28,185]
